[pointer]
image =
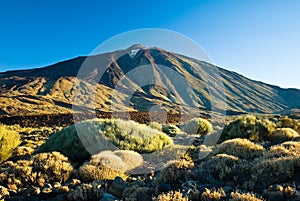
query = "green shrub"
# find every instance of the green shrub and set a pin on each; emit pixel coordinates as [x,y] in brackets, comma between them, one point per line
[104,134]
[282,134]
[103,166]
[9,140]
[68,143]
[197,126]
[171,130]
[38,170]
[241,148]
[249,127]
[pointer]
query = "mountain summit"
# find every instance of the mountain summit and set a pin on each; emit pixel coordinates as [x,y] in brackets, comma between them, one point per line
[108,80]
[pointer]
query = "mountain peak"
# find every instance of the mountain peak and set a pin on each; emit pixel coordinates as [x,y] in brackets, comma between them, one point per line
[136,46]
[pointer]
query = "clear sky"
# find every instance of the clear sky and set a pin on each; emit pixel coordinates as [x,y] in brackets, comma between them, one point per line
[257,38]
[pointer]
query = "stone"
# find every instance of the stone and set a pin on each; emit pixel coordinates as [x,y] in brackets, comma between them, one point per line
[47,186]
[274,193]
[162,188]
[117,187]
[109,197]
[31,190]
[73,183]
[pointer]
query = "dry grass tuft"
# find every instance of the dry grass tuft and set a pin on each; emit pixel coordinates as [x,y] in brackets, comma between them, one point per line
[171,196]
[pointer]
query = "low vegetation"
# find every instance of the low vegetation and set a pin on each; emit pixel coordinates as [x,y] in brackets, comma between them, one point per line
[38,170]
[250,127]
[241,148]
[256,159]
[103,166]
[103,134]
[197,126]
[9,140]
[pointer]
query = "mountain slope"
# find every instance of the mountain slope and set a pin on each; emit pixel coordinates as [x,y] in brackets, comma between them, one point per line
[173,82]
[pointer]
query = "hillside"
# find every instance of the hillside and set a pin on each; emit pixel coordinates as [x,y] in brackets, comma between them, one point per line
[50,90]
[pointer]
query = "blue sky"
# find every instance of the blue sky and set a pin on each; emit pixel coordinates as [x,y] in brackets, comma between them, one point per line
[259,38]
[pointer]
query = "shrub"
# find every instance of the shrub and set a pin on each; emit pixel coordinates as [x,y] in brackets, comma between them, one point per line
[67,142]
[103,166]
[104,134]
[198,126]
[87,192]
[155,125]
[222,168]
[41,168]
[241,148]
[171,196]
[171,129]
[9,140]
[213,195]
[286,122]
[176,171]
[282,134]
[132,159]
[289,148]
[137,193]
[249,127]
[51,167]
[236,196]
[274,170]
[23,151]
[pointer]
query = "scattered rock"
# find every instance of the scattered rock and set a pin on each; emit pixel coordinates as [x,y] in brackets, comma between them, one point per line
[109,197]
[274,193]
[162,188]
[117,187]
[32,190]
[73,183]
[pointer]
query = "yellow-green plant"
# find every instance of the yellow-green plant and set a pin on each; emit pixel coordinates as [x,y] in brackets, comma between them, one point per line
[241,148]
[104,134]
[155,125]
[197,126]
[286,122]
[9,140]
[249,127]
